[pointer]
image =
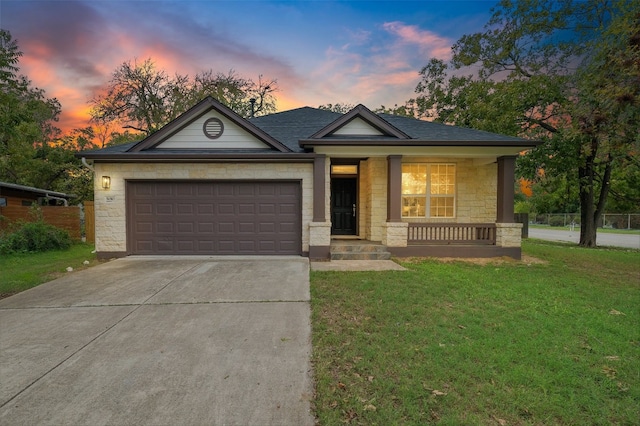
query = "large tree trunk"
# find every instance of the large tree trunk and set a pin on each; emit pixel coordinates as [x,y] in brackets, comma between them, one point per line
[587,210]
[590,212]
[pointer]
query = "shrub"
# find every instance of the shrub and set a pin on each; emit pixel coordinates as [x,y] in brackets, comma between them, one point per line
[522,207]
[556,220]
[35,237]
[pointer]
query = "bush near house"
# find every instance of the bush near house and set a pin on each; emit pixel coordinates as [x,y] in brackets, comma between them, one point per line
[34,237]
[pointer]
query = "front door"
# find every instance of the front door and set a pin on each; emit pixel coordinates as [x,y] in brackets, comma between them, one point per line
[343,206]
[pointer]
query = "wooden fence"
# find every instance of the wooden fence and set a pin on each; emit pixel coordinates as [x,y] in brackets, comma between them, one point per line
[67,218]
[89,222]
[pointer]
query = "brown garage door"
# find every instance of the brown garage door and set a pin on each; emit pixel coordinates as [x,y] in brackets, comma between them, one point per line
[231,217]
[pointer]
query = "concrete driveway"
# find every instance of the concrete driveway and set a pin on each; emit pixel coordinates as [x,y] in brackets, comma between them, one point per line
[161,341]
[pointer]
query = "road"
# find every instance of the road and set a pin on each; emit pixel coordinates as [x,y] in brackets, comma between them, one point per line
[603,239]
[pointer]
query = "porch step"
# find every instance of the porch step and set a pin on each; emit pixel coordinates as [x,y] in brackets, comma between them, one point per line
[358,250]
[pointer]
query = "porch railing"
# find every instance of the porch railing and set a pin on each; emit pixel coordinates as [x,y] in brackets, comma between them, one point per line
[452,233]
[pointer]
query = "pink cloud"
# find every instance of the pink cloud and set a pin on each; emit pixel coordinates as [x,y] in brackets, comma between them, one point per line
[430,43]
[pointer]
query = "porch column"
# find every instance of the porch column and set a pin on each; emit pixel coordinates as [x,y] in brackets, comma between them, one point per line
[394,232]
[319,228]
[319,176]
[394,188]
[506,178]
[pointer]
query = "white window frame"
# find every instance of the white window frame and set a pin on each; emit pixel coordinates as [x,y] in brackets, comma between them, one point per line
[427,196]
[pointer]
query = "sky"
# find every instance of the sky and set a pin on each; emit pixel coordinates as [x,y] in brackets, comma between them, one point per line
[320,52]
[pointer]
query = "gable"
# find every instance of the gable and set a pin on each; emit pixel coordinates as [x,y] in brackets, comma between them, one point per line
[212,130]
[360,121]
[358,127]
[187,132]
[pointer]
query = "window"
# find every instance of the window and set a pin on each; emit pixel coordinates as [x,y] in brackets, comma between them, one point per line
[428,190]
[344,169]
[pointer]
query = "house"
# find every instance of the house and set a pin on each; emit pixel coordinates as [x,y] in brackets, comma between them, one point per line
[290,183]
[12,194]
[16,203]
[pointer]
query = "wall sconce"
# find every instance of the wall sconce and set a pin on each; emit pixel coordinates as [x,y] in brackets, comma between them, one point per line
[106,182]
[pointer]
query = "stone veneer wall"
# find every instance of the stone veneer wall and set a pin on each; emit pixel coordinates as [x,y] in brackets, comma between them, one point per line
[110,211]
[377,197]
[364,201]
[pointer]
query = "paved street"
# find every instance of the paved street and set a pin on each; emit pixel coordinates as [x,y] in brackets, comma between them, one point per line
[603,239]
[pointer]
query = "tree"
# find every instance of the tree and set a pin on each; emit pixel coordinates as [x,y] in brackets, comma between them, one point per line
[407,110]
[142,98]
[27,120]
[339,107]
[564,72]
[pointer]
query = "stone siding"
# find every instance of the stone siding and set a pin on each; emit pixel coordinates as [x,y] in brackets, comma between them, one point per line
[508,234]
[395,234]
[376,197]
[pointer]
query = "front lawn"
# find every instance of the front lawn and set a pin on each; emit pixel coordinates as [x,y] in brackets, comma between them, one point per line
[511,343]
[19,272]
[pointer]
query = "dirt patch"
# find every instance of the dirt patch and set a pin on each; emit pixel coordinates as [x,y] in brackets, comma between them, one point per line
[526,260]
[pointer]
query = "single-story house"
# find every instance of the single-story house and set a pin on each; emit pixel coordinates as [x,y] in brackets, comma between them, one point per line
[16,203]
[12,194]
[295,182]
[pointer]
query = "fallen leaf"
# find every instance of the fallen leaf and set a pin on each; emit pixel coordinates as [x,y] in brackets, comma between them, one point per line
[370,407]
[461,327]
[612,358]
[501,422]
[436,392]
[370,378]
[614,312]
[609,372]
[342,385]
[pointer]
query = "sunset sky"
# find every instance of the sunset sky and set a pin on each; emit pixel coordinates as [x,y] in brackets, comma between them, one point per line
[320,52]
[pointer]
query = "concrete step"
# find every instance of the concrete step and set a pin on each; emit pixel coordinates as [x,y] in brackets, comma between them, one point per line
[358,250]
[360,256]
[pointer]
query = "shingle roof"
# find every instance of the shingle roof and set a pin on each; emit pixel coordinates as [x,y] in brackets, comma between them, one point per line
[289,128]
[431,131]
[34,190]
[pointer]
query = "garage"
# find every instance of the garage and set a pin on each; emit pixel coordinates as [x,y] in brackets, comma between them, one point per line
[214,217]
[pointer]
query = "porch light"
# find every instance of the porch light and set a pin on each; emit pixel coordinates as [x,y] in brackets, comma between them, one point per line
[106,182]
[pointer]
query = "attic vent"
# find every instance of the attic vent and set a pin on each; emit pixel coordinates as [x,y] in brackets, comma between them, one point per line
[213,128]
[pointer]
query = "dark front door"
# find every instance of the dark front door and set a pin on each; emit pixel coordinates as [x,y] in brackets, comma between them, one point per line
[343,206]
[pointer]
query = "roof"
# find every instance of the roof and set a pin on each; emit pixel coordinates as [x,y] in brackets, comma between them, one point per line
[300,130]
[33,190]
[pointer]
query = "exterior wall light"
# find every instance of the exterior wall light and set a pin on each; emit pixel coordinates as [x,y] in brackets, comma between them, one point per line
[106,182]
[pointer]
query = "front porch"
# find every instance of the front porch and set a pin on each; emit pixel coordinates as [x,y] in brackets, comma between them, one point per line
[372,210]
[463,240]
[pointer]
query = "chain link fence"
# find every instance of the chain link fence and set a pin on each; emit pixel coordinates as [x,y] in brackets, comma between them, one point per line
[608,220]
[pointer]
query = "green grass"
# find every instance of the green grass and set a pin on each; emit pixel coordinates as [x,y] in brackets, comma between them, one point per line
[20,272]
[462,343]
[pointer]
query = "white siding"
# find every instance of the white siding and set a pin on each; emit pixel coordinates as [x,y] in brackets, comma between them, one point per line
[192,137]
[357,126]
